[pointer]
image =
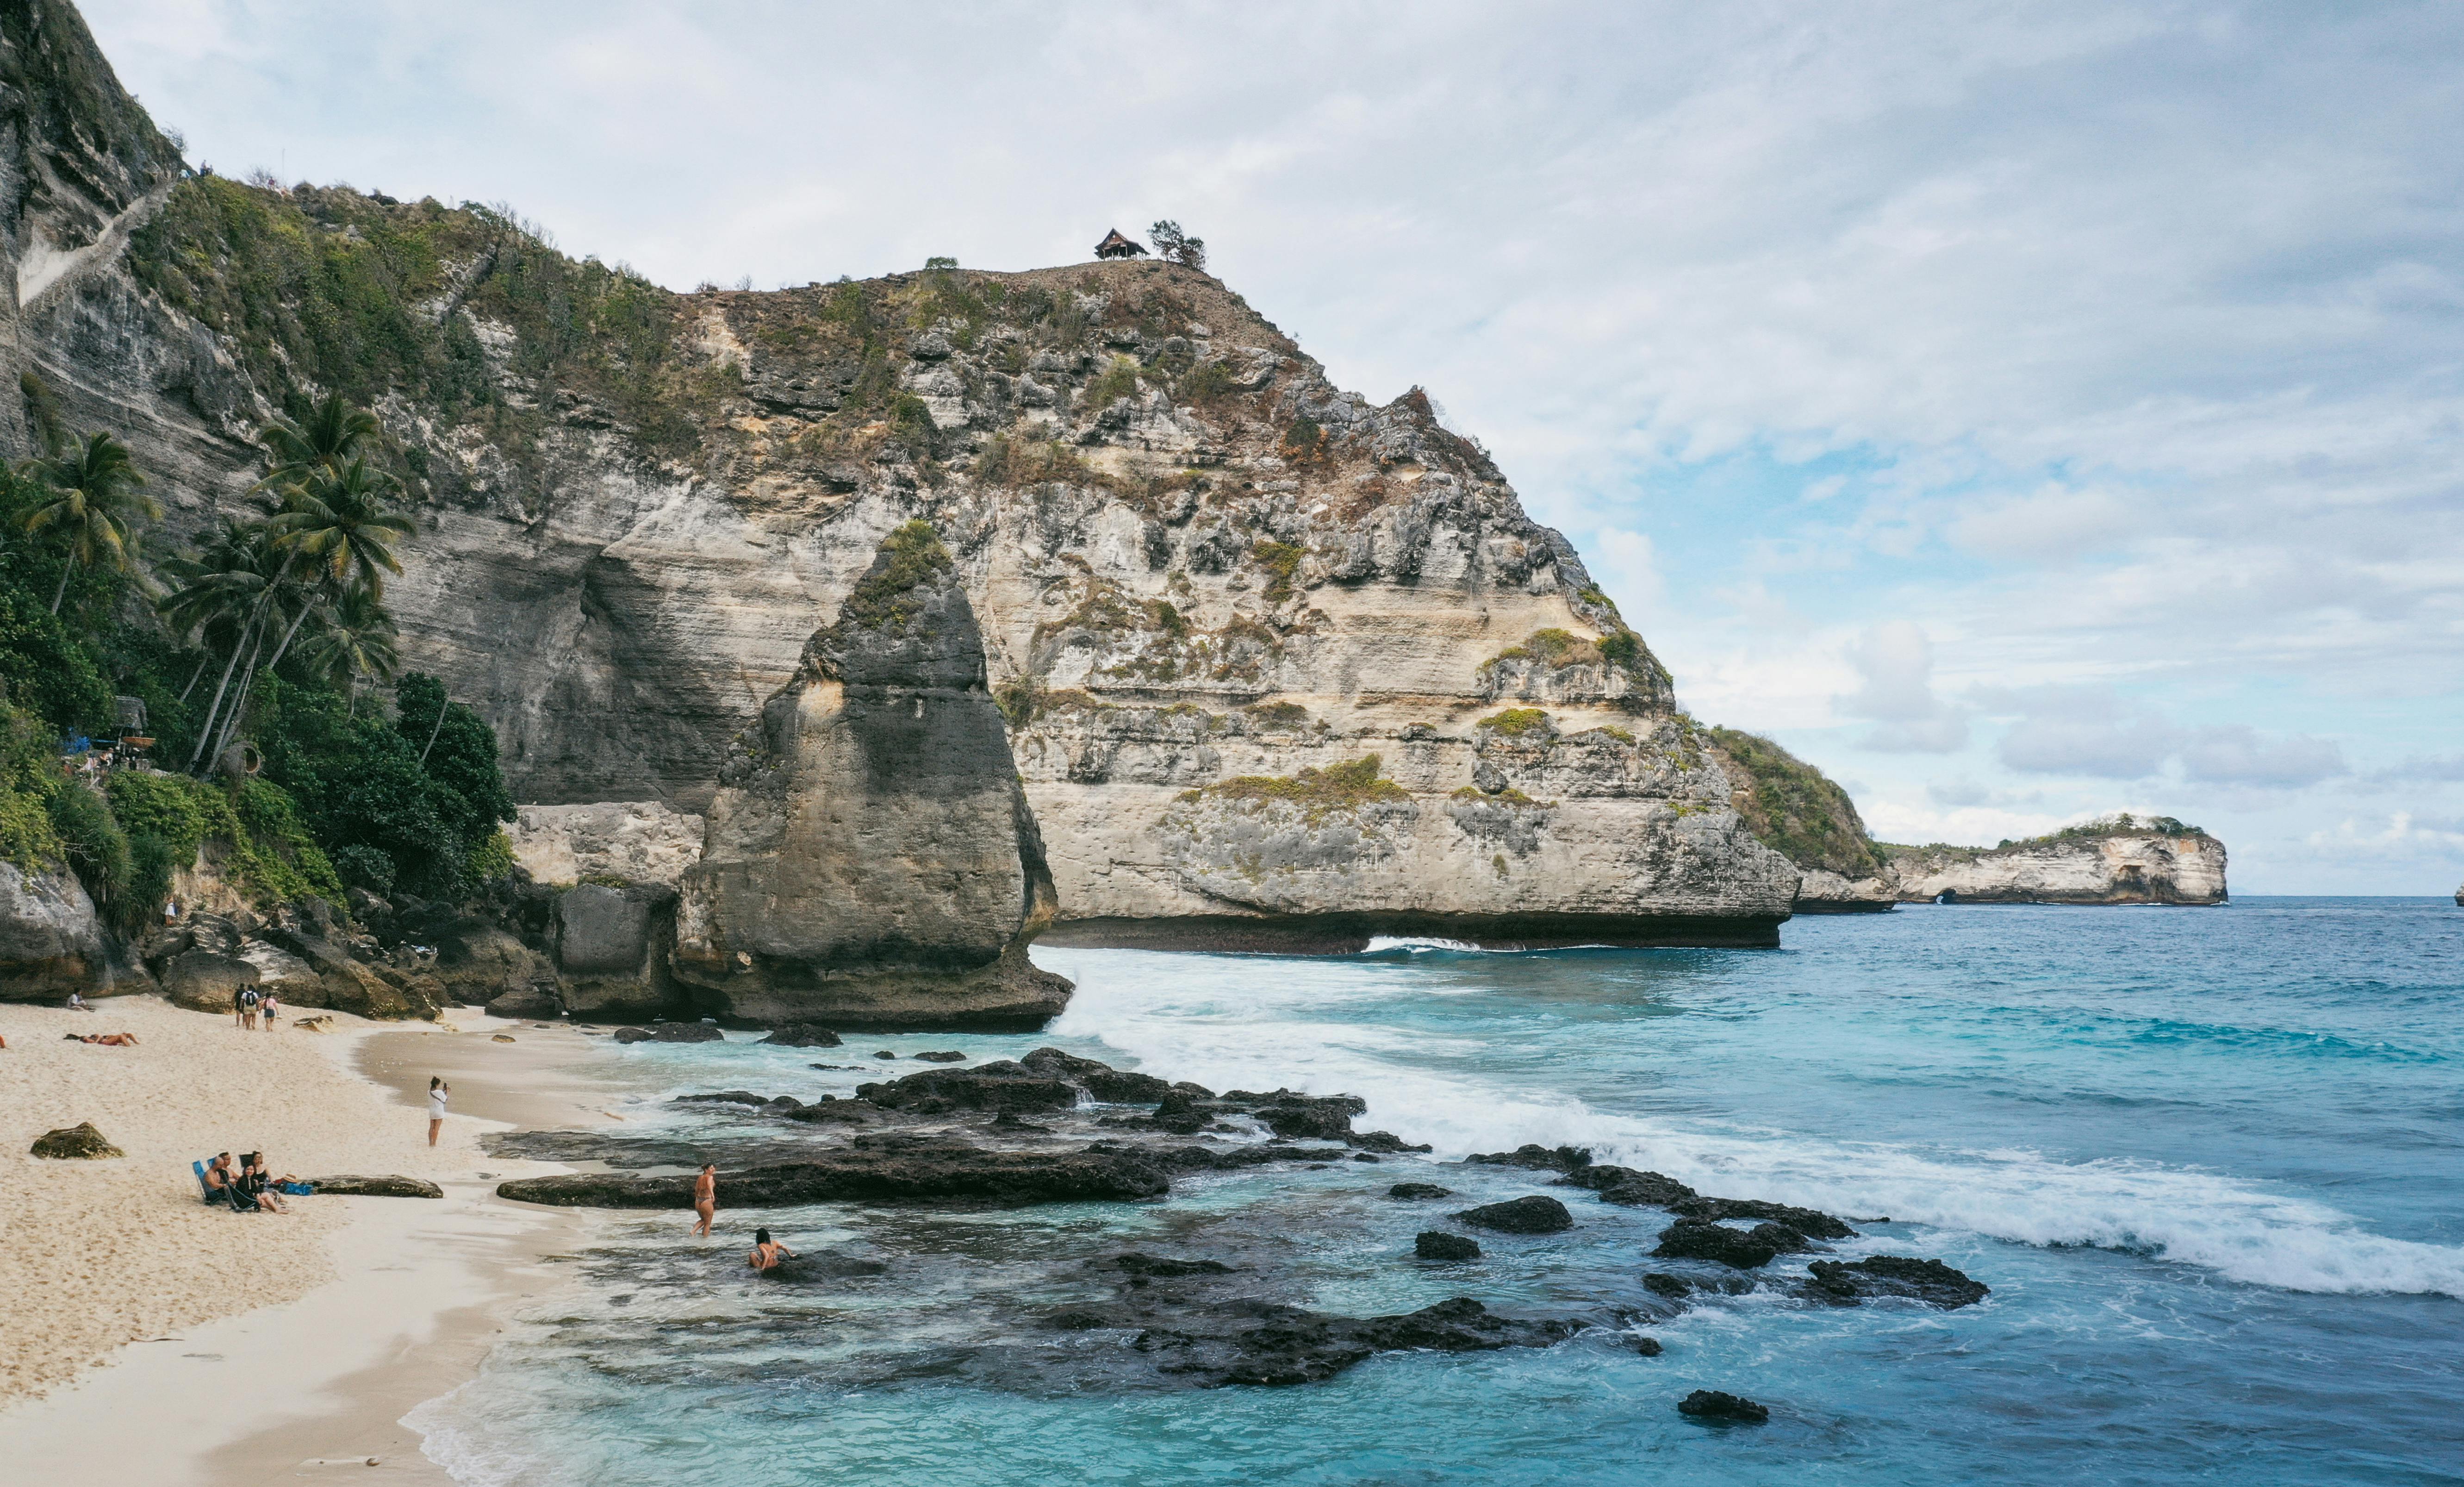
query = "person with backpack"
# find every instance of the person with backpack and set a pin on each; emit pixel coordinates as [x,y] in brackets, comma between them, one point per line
[245,1005]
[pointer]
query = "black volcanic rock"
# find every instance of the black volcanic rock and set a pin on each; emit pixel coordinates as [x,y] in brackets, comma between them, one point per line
[671,1032]
[925,1174]
[1265,1344]
[1811,1223]
[1436,1244]
[1413,1191]
[1538,1159]
[1532,1216]
[1721,1407]
[998,1085]
[1697,1239]
[1930,1281]
[803,1035]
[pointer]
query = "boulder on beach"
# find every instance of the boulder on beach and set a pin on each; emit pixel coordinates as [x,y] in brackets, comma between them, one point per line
[539,1001]
[1719,1408]
[81,1143]
[1433,1244]
[206,980]
[1533,1215]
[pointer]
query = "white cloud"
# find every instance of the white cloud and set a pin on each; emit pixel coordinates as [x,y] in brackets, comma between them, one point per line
[1895,662]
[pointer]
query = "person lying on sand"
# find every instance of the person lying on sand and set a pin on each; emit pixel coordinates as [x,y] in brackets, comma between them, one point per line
[106,1039]
[767,1252]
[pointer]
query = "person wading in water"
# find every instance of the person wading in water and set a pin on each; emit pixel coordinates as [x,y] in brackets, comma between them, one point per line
[706,1198]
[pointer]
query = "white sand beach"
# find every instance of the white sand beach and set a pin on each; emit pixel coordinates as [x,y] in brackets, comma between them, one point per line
[253,1347]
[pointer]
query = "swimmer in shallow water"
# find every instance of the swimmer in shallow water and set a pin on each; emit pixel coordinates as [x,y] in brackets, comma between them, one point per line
[767,1252]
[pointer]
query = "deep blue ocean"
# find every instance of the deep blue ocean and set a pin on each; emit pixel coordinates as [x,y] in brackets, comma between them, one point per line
[2210,1162]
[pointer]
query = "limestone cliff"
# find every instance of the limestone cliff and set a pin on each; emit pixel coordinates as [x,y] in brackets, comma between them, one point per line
[1196,562]
[2114,862]
[871,860]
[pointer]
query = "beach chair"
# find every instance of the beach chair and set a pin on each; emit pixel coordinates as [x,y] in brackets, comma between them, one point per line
[204,1189]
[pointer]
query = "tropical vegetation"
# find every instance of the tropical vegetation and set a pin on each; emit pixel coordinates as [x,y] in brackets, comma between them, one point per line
[257,654]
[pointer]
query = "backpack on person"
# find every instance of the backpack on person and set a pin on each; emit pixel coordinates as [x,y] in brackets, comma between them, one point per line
[249,999]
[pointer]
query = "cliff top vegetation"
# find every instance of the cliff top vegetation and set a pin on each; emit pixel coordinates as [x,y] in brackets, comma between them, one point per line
[1792,807]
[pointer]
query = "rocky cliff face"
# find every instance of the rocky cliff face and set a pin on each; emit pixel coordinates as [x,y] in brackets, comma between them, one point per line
[1196,562]
[2117,867]
[871,860]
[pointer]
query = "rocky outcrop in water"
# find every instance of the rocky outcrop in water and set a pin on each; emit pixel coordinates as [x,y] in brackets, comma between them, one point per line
[1203,570]
[871,860]
[2106,862]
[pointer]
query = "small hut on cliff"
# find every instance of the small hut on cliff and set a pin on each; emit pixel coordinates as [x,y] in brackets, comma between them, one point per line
[1115,246]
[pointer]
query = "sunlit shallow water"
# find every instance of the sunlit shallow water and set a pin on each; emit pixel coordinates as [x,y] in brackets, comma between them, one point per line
[2211,1160]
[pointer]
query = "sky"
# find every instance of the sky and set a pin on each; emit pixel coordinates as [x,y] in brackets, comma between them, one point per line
[2023,411]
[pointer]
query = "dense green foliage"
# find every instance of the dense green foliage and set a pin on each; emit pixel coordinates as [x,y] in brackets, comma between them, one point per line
[327,287]
[411,801]
[1792,807]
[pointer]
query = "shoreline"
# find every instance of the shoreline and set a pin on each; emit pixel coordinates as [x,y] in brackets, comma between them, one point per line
[391,1301]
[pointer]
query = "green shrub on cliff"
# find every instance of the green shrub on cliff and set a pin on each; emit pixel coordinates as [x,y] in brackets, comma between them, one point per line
[1318,792]
[1515,722]
[914,555]
[1792,807]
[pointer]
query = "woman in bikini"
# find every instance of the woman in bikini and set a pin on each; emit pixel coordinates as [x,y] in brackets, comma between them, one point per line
[705,1199]
[767,1252]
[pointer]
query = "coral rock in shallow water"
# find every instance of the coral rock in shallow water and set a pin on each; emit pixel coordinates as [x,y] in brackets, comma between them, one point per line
[871,859]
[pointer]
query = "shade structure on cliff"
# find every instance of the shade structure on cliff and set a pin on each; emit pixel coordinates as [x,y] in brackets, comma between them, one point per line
[1115,246]
[871,859]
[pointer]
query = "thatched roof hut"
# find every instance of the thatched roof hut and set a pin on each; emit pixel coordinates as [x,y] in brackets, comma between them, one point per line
[1115,246]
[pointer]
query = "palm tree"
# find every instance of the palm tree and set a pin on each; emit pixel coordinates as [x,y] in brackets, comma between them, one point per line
[95,502]
[355,641]
[337,521]
[327,439]
[241,576]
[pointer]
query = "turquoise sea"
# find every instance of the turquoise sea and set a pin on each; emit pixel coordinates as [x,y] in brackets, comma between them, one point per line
[2210,1162]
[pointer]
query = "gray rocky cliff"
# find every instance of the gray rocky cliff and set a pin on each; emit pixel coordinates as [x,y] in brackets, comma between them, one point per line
[2119,866]
[871,859]
[1194,559]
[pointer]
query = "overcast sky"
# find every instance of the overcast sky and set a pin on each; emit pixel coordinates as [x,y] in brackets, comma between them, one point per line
[2022,411]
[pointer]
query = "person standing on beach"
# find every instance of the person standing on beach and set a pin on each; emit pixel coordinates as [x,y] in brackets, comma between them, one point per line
[270,1009]
[438,1092]
[706,1198]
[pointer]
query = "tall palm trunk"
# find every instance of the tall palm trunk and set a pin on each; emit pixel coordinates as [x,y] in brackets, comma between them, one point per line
[205,729]
[66,568]
[196,676]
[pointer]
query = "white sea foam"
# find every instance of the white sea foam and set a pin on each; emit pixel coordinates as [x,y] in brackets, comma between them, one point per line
[2235,1226]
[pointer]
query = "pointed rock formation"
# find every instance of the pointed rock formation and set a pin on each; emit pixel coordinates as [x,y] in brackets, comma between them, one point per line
[871,860]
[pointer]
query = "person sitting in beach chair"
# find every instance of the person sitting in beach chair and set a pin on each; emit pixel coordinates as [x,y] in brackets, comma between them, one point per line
[215,1178]
[258,1185]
